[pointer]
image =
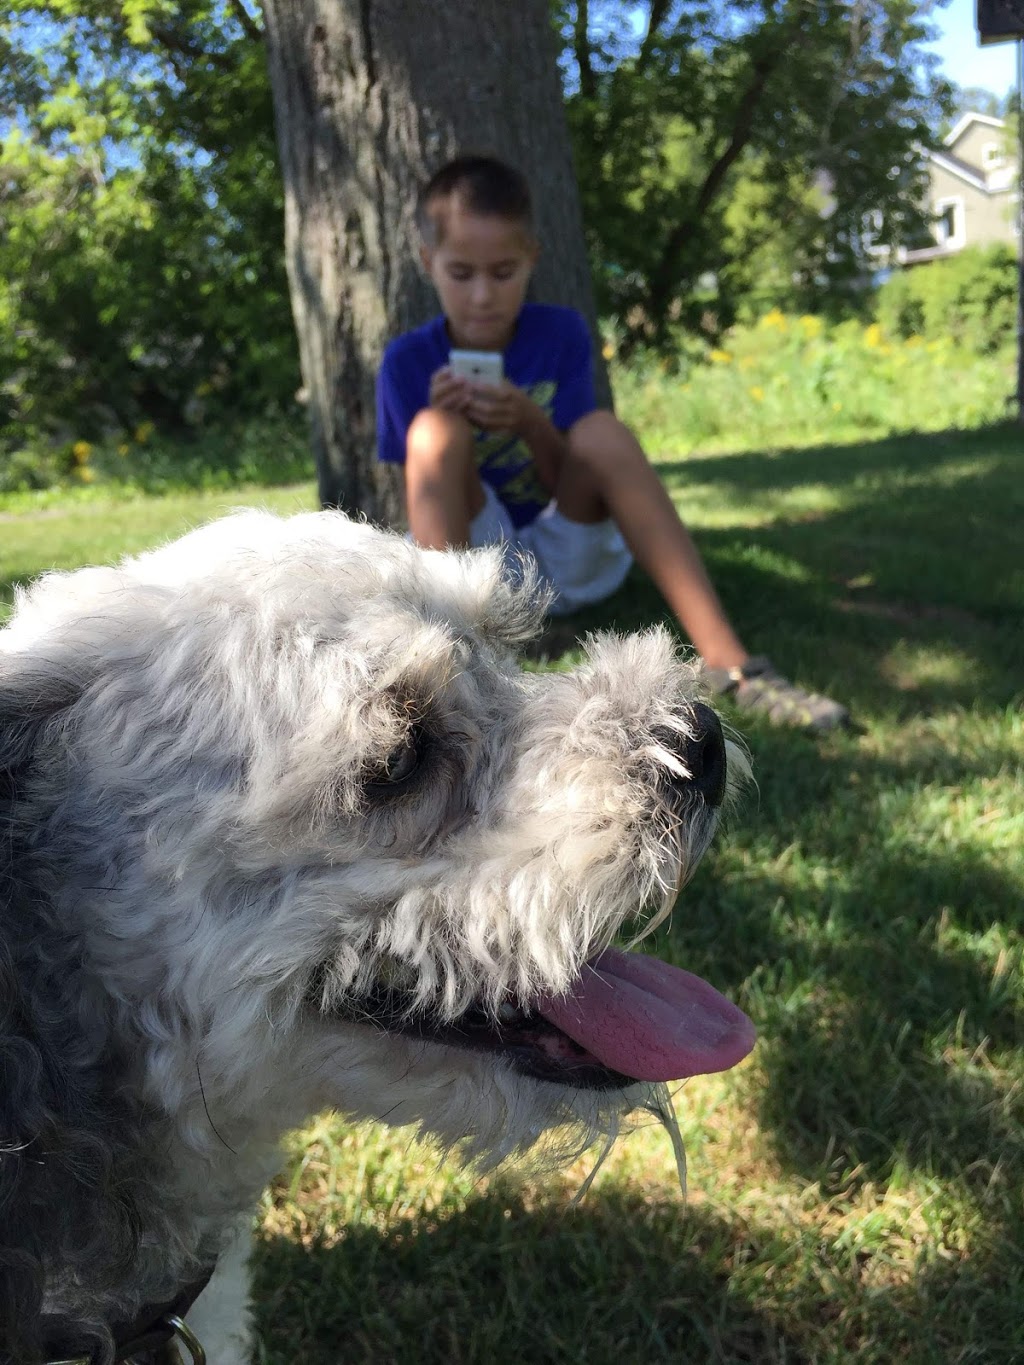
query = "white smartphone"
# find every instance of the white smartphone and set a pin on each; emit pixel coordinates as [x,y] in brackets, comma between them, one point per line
[480,367]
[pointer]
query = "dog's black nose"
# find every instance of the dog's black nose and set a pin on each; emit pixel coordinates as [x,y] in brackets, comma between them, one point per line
[703,753]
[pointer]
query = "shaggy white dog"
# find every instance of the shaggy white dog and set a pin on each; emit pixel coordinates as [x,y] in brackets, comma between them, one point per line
[284,827]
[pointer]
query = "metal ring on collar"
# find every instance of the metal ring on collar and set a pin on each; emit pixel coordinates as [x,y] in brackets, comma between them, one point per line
[188,1338]
[179,1328]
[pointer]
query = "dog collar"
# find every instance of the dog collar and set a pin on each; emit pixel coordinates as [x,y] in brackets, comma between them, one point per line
[154,1328]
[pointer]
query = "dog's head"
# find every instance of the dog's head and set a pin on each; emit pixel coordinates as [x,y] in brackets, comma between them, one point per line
[312,837]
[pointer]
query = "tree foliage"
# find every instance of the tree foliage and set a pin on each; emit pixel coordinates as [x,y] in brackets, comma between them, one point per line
[731,137]
[140,216]
[975,99]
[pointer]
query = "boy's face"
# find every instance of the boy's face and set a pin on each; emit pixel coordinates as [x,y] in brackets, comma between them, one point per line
[481,269]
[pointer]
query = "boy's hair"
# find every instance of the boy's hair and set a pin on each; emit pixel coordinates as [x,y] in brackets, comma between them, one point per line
[482,185]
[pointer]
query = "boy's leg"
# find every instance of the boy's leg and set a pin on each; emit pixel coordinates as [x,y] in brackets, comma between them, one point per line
[443,489]
[608,474]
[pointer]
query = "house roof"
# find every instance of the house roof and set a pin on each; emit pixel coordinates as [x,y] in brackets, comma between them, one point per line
[963,170]
[965,121]
[955,166]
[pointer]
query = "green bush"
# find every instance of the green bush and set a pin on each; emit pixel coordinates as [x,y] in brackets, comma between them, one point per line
[27,469]
[270,450]
[969,299]
[900,310]
[788,380]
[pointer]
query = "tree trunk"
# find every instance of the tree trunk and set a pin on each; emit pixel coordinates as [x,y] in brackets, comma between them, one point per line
[370,97]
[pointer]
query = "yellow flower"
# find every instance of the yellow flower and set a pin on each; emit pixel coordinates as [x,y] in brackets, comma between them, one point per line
[84,473]
[608,350]
[837,407]
[757,393]
[746,362]
[81,451]
[143,432]
[914,341]
[721,357]
[812,326]
[774,318]
[123,448]
[873,335]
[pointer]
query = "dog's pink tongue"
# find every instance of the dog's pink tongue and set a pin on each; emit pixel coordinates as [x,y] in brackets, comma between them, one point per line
[650,1021]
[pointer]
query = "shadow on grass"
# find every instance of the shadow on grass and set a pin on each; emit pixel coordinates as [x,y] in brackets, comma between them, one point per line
[907,541]
[621,1279]
[883,971]
[923,453]
[883,974]
[890,1035]
[879,955]
[617,1280]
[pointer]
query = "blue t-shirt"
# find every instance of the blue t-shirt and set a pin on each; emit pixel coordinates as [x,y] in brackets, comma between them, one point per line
[549,356]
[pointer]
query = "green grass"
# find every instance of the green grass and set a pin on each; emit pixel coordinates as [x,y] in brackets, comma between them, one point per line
[94,528]
[856,1185]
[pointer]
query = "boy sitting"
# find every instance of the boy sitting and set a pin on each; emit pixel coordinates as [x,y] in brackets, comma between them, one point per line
[532,460]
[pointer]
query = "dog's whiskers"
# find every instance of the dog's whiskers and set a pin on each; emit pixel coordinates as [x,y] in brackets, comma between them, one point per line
[659,1103]
[216,1130]
[584,1189]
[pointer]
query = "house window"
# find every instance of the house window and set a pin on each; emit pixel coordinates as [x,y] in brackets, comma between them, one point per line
[992,156]
[949,223]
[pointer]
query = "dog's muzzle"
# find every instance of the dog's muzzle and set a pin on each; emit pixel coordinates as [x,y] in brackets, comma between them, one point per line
[629,1017]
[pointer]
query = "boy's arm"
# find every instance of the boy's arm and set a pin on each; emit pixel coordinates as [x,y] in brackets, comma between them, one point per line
[504,407]
[546,443]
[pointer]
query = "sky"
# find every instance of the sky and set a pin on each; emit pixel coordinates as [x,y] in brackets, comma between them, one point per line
[963,59]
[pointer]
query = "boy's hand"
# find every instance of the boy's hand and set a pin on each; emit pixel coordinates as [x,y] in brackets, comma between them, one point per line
[498,407]
[448,391]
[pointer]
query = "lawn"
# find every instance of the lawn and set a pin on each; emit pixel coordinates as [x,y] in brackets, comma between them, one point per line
[855,1187]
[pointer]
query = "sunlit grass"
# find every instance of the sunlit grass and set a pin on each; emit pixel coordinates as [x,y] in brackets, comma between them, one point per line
[102,528]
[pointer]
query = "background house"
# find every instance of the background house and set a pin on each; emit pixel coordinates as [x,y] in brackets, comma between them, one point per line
[973,190]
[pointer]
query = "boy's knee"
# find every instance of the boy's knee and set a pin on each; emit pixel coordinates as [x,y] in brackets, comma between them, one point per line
[434,435]
[600,421]
[600,436]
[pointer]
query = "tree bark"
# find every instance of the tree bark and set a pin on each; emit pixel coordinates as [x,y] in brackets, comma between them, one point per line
[370,97]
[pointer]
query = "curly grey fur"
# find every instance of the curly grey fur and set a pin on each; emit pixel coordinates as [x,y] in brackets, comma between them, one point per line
[76,1148]
[201,859]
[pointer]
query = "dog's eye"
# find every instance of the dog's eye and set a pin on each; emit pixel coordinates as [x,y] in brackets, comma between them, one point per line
[399,766]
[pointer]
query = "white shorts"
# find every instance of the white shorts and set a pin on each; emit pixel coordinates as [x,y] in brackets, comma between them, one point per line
[583,563]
